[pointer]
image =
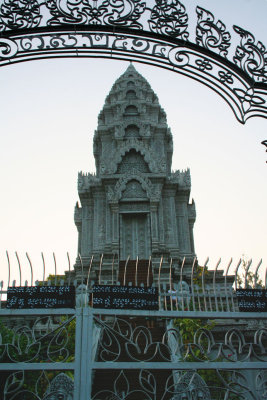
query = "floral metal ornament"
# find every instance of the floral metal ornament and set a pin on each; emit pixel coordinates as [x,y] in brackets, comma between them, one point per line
[211,35]
[153,32]
[248,98]
[169,18]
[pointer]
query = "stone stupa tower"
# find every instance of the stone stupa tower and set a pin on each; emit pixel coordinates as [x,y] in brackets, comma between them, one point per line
[134,206]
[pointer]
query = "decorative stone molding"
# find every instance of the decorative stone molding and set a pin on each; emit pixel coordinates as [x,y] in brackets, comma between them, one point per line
[183,179]
[77,214]
[87,180]
[110,165]
[134,190]
[192,211]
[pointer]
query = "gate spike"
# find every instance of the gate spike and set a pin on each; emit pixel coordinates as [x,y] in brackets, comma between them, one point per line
[136,267]
[203,284]
[225,284]
[81,261]
[89,271]
[192,283]
[55,262]
[160,265]
[256,274]
[246,272]
[30,267]
[236,270]
[8,280]
[19,268]
[148,271]
[125,267]
[68,257]
[214,283]
[100,269]
[181,282]
[170,278]
[42,254]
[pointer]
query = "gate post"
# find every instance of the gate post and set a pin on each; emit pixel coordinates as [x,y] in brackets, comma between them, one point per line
[78,354]
[85,379]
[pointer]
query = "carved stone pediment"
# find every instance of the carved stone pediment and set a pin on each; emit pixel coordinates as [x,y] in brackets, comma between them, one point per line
[110,164]
[153,191]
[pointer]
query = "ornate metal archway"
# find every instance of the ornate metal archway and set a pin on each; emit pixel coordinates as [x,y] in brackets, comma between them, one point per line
[153,32]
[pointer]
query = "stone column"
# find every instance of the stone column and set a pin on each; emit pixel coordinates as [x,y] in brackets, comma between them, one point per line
[154,221]
[95,224]
[85,228]
[174,237]
[191,225]
[183,225]
[170,219]
[108,224]
[91,225]
[161,225]
[79,228]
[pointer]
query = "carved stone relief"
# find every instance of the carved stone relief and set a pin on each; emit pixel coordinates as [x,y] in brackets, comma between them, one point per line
[192,386]
[134,190]
[61,388]
[153,191]
[132,160]
[132,131]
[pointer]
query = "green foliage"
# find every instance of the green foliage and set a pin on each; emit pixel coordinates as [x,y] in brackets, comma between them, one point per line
[188,327]
[198,271]
[53,279]
[6,333]
[250,279]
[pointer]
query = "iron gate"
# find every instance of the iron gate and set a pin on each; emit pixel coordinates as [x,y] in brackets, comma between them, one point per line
[197,346]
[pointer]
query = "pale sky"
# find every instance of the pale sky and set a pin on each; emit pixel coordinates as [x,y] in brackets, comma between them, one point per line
[48,114]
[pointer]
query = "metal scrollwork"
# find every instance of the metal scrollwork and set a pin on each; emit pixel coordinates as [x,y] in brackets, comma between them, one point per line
[251,57]
[179,57]
[19,14]
[37,385]
[248,98]
[126,13]
[204,64]
[110,12]
[182,385]
[78,12]
[169,18]
[8,48]
[153,32]
[211,35]
[45,341]
[122,339]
